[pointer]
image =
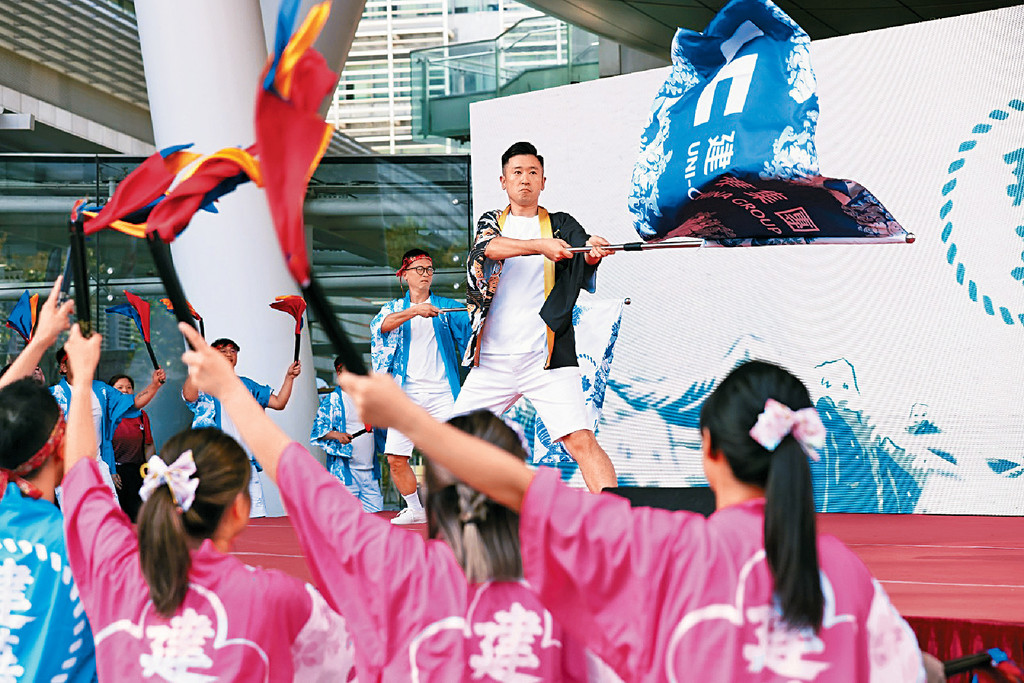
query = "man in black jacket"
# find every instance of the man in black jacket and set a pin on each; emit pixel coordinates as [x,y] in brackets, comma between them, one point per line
[527,346]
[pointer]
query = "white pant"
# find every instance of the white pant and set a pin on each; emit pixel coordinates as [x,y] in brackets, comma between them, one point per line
[440,408]
[257,508]
[501,379]
[366,489]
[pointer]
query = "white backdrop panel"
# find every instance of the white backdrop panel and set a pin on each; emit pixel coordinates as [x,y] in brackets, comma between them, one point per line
[913,353]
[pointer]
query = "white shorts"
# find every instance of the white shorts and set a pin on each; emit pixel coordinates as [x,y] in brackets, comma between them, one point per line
[440,408]
[501,379]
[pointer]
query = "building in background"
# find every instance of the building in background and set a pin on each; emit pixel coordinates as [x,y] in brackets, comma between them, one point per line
[373,102]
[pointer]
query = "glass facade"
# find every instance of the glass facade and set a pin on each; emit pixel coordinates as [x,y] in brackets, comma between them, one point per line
[534,54]
[372,103]
[362,212]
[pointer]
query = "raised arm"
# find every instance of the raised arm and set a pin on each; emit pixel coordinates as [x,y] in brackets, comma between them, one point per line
[146,395]
[279,400]
[53,320]
[483,466]
[209,371]
[83,356]
[189,390]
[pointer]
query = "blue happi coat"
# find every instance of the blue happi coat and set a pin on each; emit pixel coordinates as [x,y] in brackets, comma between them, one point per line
[330,416]
[389,351]
[44,633]
[114,406]
[207,410]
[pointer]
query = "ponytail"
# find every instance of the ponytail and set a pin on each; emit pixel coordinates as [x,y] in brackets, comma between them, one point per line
[790,533]
[791,536]
[483,534]
[164,552]
[167,534]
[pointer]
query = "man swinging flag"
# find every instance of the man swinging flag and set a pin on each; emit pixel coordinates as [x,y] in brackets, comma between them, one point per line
[728,154]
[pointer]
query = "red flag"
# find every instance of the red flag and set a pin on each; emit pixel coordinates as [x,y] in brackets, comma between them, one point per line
[294,306]
[291,136]
[144,185]
[143,309]
[170,307]
[214,176]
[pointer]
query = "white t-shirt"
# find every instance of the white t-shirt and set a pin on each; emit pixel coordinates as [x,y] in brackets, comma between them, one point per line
[97,422]
[362,446]
[425,372]
[514,324]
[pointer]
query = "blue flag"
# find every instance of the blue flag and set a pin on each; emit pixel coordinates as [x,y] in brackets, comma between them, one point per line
[23,315]
[729,151]
[129,311]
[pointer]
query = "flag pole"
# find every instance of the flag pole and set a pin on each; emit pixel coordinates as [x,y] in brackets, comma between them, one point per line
[169,276]
[692,242]
[152,356]
[643,246]
[80,275]
[343,346]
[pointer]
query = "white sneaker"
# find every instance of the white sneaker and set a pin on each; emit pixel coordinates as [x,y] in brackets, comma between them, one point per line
[410,516]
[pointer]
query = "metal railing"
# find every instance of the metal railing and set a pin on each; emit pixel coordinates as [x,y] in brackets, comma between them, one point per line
[534,54]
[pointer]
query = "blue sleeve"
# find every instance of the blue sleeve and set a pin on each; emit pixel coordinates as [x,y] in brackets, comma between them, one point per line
[462,330]
[260,392]
[118,405]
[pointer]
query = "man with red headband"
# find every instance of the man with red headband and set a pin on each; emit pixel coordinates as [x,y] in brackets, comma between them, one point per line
[523,283]
[418,345]
[44,633]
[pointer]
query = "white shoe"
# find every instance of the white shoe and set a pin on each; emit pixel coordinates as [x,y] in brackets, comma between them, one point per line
[410,516]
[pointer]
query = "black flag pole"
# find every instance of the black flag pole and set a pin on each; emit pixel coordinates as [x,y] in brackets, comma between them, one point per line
[694,243]
[80,274]
[343,346]
[161,253]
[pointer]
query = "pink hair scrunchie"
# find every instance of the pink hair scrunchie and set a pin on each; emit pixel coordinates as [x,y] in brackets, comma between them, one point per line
[778,420]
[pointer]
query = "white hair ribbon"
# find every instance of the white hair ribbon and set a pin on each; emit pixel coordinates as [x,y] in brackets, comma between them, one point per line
[177,476]
[778,420]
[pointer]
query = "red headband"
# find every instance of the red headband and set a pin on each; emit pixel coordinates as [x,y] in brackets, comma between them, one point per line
[407,261]
[33,463]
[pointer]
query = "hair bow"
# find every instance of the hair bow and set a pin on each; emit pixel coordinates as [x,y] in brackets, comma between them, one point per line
[778,420]
[177,476]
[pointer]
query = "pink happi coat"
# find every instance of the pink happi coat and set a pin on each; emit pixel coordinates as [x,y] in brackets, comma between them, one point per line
[237,622]
[672,596]
[410,610]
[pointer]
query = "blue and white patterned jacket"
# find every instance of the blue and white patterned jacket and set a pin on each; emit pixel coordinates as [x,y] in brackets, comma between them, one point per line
[330,416]
[206,408]
[389,351]
[114,406]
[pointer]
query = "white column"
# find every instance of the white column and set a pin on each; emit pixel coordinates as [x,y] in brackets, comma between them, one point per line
[203,61]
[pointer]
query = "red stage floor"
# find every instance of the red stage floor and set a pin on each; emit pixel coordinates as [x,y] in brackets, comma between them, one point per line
[959,581]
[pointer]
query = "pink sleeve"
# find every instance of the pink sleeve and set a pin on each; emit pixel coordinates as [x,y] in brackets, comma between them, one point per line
[386,582]
[102,546]
[604,569]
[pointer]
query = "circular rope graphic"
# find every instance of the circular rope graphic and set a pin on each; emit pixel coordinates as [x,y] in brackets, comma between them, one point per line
[947,208]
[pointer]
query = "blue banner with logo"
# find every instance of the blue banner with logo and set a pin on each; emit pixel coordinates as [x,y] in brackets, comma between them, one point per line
[729,154]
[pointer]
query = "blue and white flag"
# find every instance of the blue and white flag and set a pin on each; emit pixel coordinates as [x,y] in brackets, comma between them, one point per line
[729,153]
[596,326]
